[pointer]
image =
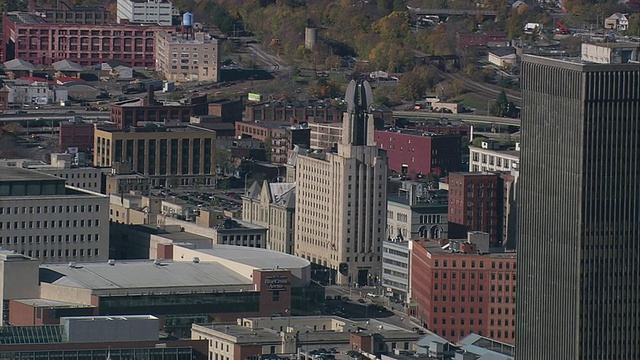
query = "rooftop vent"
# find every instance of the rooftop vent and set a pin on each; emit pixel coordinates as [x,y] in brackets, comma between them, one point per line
[111,262]
[196,260]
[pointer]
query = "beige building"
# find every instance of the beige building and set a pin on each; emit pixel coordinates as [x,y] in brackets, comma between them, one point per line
[14,287]
[325,135]
[489,157]
[134,208]
[248,338]
[182,57]
[169,155]
[42,218]
[341,203]
[272,205]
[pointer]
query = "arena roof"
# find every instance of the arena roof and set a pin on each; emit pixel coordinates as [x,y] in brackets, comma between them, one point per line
[141,274]
[256,257]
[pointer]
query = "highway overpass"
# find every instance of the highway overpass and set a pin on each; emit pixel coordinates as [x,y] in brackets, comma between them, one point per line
[473,119]
[453,12]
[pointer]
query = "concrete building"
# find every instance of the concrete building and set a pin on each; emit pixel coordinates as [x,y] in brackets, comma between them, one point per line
[578,210]
[13,287]
[145,11]
[414,213]
[341,199]
[491,157]
[455,291]
[249,338]
[396,265]
[272,205]
[97,337]
[502,56]
[35,91]
[325,136]
[170,155]
[220,285]
[417,154]
[277,136]
[475,204]
[125,183]
[42,218]
[611,53]
[132,208]
[187,58]
[30,37]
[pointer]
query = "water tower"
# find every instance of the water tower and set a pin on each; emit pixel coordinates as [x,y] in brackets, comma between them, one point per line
[187,24]
[310,36]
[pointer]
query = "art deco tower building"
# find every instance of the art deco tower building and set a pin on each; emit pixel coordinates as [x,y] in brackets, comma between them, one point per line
[341,199]
[578,286]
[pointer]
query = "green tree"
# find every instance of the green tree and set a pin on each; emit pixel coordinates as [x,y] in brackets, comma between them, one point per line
[501,105]
[415,83]
[634,24]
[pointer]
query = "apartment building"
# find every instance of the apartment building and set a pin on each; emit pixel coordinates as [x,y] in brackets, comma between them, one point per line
[41,217]
[475,204]
[186,57]
[455,291]
[341,201]
[325,136]
[145,11]
[169,155]
[272,205]
[279,138]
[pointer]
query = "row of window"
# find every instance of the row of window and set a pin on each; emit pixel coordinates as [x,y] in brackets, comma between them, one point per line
[493,299]
[473,287]
[30,239]
[454,263]
[52,223]
[49,209]
[463,275]
[62,253]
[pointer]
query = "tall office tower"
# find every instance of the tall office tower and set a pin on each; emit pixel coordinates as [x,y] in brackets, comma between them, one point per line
[341,205]
[578,268]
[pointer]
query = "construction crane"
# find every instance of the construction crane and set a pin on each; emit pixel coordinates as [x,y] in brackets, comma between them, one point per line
[561,30]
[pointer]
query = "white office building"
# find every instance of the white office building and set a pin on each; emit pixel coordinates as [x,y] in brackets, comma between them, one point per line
[42,218]
[145,11]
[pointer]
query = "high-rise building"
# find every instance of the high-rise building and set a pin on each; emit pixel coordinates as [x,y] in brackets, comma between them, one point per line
[578,294]
[341,199]
[42,218]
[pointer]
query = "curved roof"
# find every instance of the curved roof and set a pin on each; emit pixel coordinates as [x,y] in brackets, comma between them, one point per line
[256,257]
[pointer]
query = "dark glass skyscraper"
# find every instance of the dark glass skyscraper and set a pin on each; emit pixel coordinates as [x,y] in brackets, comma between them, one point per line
[578,288]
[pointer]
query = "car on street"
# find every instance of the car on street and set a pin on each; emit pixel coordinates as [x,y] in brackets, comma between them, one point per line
[361,301]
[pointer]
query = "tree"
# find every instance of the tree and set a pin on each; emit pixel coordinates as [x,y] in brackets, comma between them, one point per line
[415,83]
[267,148]
[501,105]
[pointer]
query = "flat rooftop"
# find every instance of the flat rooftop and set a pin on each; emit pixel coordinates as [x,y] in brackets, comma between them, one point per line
[46,303]
[141,274]
[11,173]
[436,248]
[508,152]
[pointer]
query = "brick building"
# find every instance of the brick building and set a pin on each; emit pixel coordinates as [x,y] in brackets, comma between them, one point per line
[415,153]
[454,293]
[475,204]
[130,112]
[316,111]
[71,14]
[75,134]
[282,137]
[30,37]
[486,39]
